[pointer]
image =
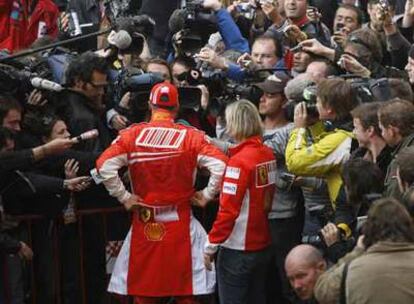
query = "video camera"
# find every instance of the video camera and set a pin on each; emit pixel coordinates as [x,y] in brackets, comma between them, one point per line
[195,25]
[16,77]
[140,84]
[367,89]
[224,92]
[309,97]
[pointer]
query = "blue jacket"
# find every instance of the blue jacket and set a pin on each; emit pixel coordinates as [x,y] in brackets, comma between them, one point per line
[236,73]
[229,31]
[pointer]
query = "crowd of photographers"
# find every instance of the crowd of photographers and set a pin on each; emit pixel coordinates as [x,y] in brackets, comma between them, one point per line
[332,82]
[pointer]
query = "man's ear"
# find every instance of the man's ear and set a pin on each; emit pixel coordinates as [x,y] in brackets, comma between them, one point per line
[79,84]
[395,132]
[371,131]
[321,266]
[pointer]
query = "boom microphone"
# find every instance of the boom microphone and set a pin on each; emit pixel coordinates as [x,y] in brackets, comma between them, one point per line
[44,84]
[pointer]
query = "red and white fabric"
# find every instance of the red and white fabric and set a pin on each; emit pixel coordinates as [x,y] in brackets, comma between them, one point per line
[245,200]
[163,256]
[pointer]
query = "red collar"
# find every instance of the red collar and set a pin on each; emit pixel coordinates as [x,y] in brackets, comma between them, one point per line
[301,22]
[251,141]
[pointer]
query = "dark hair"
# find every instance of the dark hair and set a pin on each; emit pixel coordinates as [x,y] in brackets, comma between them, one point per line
[405,162]
[5,134]
[400,89]
[277,44]
[398,113]
[391,3]
[367,114]
[82,68]
[7,103]
[188,62]
[337,94]
[361,177]
[40,124]
[162,62]
[388,220]
[357,11]
[367,39]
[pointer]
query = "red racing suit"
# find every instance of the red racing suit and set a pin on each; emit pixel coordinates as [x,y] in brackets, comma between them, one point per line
[162,254]
[246,199]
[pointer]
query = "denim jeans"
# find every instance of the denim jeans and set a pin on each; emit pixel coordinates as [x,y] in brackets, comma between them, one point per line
[241,276]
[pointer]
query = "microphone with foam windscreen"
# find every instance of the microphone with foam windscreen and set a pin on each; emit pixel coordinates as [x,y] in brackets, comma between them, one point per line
[44,84]
[121,39]
[177,21]
[91,134]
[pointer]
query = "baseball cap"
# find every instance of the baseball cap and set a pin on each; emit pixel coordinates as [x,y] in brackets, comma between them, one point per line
[164,94]
[274,83]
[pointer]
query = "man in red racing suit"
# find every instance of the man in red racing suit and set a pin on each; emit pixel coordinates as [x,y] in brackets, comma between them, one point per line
[162,254]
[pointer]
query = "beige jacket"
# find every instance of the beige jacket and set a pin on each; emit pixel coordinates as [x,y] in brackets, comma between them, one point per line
[383,274]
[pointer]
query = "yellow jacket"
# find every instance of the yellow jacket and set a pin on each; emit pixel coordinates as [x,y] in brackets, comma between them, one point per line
[322,158]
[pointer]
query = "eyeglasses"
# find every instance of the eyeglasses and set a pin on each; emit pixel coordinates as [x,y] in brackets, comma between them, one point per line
[99,85]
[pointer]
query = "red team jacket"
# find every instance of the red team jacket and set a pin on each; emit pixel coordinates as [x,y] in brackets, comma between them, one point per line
[160,256]
[246,198]
[20,28]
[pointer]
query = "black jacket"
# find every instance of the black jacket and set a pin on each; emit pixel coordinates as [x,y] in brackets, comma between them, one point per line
[75,109]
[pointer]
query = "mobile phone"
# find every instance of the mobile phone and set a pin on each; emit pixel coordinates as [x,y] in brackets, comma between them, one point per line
[339,26]
[312,9]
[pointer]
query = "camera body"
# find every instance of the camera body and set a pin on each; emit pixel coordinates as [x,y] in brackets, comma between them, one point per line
[309,97]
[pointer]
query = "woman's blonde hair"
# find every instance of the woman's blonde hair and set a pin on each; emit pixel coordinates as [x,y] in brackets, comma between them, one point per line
[243,120]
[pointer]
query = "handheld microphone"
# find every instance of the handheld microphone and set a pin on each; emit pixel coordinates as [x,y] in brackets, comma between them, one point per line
[87,135]
[44,84]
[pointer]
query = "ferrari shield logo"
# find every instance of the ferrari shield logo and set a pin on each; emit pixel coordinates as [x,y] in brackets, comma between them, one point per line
[262,172]
[144,214]
[265,174]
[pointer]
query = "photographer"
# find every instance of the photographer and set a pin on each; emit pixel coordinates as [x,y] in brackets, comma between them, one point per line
[266,54]
[405,177]
[363,55]
[229,31]
[382,258]
[302,22]
[372,146]
[396,121]
[348,18]
[284,219]
[323,157]
[362,184]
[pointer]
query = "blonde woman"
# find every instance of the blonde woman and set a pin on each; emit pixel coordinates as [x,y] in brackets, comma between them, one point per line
[241,233]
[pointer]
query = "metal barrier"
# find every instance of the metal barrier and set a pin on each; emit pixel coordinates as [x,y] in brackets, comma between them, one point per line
[29,221]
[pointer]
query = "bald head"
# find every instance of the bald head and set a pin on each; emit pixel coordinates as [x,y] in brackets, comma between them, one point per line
[304,253]
[304,264]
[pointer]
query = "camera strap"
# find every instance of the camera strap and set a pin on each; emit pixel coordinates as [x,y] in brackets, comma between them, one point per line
[342,294]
